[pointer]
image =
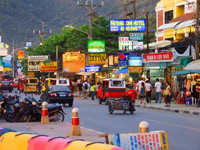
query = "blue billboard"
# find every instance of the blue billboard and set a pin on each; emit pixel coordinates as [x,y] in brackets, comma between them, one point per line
[123,59]
[135,61]
[92,68]
[128,25]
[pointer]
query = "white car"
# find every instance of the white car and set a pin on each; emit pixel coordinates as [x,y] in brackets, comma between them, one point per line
[63,81]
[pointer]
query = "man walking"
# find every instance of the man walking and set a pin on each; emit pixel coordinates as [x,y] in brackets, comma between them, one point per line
[158,86]
[149,89]
[80,89]
[86,89]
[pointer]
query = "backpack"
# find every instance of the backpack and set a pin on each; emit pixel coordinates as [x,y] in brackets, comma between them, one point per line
[86,86]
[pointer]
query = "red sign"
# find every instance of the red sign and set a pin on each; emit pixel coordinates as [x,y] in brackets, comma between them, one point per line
[158,57]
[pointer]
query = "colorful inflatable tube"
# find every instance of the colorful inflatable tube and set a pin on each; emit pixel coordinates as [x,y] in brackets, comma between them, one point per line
[12,140]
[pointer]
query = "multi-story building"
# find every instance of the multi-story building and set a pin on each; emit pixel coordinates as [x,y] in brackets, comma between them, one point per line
[175,19]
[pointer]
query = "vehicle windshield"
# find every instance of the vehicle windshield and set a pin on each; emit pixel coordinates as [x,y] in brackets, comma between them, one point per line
[60,88]
[33,81]
[5,82]
[62,81]
[117,83]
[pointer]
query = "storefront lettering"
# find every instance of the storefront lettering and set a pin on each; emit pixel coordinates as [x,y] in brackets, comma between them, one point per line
[97,58]
[159,56]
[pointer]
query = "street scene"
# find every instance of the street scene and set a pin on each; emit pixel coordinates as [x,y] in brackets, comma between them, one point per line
[103,75]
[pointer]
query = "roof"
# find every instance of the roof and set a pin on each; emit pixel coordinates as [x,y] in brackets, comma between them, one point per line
[188,16]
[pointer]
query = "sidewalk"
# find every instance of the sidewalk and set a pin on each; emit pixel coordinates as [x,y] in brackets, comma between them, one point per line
[174,107]
[54,129]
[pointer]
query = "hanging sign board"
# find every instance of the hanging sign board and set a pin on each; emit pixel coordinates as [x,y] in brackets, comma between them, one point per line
[20,55]
[135,61]
[30,74]
[115,59]
[96,59]
[3,52]
[125,44]
[158,57]
[136,36]
[135,69]
[48,67]
[96,46]
[92,68]
[128,25]
[140,141]
[34,62]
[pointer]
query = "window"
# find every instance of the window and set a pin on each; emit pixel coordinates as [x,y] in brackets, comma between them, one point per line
[117,83]
[62,81]
[168,16]
[33,81]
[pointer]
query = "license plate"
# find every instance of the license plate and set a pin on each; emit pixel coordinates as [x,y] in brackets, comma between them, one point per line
[62,95]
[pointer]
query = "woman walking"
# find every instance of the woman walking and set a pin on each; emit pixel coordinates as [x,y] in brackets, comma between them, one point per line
[168,95]
[142,93]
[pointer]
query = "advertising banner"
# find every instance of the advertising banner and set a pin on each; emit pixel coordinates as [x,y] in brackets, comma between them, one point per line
[123,59]
[158,57]
[34,62]
[128,25]
[135,69]
[125,44]
[28,44]
[30,74]
[20,55]
[136,36]
[96,59]
[138,45]
[96,46]
[157,140]
[115,59]
[135,61]
[3,52]
[92,68]
[73,62]
[48,67]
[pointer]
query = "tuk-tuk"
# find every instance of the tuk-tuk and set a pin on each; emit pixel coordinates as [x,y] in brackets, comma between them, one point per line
[31,85]
[111,88]
[48,82]
[21,83]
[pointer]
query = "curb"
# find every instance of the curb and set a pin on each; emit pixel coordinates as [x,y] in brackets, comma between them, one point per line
[170,110]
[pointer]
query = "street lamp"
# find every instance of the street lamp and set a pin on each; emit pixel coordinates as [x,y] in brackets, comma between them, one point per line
[71,27]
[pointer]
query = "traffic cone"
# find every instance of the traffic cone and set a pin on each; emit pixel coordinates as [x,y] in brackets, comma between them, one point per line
[75,129]
[45,117]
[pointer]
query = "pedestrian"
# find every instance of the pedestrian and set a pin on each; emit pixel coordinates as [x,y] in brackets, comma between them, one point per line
[80,89]
[142,93]
[92,91]
[168,95]
[38,88]
[148,91]
[158,86]
[139,86]
[86,89]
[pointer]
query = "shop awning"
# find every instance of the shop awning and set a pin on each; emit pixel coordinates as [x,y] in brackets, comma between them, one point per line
[168,25]
[85,73]
[123,70]
[185,61]
[194,65]
[184,72]
[109,68]
[185,24]
[159,44]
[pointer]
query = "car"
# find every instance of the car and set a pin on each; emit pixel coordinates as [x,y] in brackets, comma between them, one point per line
[64,82]
[58,94]
[6,85]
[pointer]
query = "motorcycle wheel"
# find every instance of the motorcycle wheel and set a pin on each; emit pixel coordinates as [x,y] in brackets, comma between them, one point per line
[110,109]
[100,101]
[60,117]
[12,117]
[26,118]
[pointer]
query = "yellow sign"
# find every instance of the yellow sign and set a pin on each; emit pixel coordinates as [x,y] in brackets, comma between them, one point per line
[96,59]
[48,67]
[30,74]
[20,54]
[73,62]
[6,69]
[134,69]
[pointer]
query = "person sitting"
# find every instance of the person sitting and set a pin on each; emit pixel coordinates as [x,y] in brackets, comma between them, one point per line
[131,93]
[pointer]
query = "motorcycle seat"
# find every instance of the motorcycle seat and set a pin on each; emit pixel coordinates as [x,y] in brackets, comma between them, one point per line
[51,107]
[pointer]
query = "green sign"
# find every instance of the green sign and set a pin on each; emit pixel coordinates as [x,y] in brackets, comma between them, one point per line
[136,36]
[96,46]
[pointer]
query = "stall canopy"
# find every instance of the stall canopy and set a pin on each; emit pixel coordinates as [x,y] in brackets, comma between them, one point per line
[123,70]
[194,65]
[184,72]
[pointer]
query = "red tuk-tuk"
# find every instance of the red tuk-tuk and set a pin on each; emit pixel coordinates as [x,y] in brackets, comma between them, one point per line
[21,83]
[111,88]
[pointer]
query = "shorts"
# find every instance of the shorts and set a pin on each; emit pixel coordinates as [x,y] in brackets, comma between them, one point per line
[80,92]
[142,95]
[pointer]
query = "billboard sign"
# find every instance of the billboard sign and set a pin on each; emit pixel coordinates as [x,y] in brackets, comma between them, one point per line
[136,36]
[135,61]
[138,45]
[92,68]
[123,59]
[73,62]
[158,57]
[156,140]
[3,52]
[20,55]
[115,59]
[125,44]
[135,69]
[48,67]
[28,44]
[34,62]
[97,59]
[96,46]
[128,25]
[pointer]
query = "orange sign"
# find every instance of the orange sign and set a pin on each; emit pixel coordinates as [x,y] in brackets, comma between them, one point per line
[73,62]
[134,69]
[20,54]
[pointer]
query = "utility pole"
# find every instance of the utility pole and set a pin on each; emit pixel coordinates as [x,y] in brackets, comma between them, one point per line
[90,7]
[197,30]
[147,29]
[13,59]
[41,33]
[57,74]
[130,13]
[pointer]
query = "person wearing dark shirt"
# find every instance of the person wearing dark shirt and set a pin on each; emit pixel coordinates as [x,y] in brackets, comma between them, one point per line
[80,89]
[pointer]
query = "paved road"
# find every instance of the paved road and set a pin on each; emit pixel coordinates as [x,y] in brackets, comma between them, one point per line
[183,130]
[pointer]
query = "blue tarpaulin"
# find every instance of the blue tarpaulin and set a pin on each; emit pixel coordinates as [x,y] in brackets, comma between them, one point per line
[123,70]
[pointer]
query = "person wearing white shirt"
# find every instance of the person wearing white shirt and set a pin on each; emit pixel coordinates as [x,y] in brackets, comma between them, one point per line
[158,86]
[149,89]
